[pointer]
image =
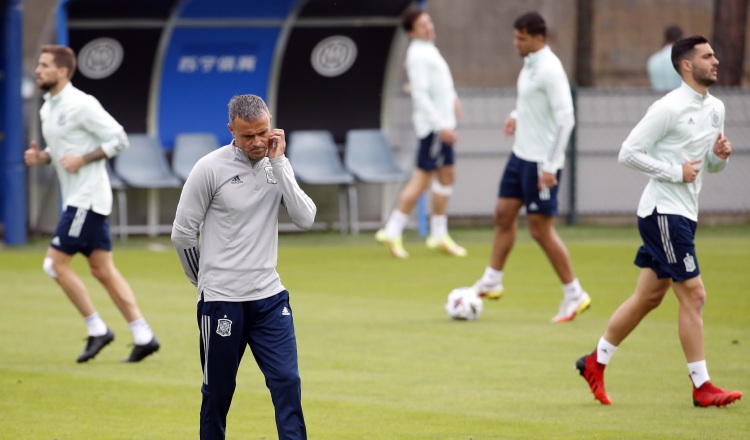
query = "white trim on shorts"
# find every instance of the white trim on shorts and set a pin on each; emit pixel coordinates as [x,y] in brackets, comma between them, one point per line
[77,224]
[663,222]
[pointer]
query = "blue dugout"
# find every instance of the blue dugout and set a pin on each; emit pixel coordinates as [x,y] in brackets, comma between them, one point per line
[165,67]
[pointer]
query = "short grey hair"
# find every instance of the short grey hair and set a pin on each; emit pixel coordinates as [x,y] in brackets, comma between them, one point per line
[247,107]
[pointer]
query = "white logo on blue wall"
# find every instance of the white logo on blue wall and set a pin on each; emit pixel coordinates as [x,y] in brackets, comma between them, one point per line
[100,58]
[334,55]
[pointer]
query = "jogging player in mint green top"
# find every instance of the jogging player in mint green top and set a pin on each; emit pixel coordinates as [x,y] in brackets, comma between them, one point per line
[80,135]
[678,141]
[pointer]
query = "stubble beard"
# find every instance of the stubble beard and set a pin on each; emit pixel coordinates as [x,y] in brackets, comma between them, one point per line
[704,79]
[47,85]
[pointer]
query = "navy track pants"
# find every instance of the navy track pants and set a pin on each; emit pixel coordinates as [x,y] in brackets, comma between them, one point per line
[266,325]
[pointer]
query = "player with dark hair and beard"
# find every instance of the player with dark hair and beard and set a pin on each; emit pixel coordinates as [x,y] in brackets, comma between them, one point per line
[677,142]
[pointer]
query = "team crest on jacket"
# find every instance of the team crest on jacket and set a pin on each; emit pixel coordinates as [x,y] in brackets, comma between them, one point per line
[224,328]
[62,119]
[689,263]
[270,178]
[714,118]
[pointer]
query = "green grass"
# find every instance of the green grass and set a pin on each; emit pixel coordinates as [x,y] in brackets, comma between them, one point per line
[378,356]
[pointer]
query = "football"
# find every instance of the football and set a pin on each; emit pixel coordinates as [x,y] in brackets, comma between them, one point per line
[464,303]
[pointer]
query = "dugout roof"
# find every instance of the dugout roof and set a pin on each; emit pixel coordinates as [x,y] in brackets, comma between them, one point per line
[170,66]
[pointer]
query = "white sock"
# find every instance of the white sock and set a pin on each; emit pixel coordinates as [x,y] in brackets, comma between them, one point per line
[572,290]
[492,276]
[604,351]
[698,373]
[438,226]
[142,333]
[95,325]
[396,223]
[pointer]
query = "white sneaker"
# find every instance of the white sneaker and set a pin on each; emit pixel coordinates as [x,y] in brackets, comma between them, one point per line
[447,245]
[394,244]
[488,291]
[570,308]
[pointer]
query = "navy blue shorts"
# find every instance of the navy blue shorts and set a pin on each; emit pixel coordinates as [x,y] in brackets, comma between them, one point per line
[520,181]
[668,246]
[434,154]
[81,230]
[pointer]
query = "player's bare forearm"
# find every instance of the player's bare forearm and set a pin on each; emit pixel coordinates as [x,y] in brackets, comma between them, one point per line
[73,163]
[93,156]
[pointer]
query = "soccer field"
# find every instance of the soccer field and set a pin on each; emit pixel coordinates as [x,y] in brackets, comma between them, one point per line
[379,357]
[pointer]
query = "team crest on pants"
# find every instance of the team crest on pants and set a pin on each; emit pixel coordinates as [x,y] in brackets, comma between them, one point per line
[689,263]
[224,328]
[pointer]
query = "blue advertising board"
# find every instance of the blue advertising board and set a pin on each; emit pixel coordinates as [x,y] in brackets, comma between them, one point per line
[215,50]
[183,60]
[203,68]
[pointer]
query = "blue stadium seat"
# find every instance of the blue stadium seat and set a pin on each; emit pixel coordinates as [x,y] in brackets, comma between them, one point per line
[315,159]
[188,148]
[369,157]
[144,165]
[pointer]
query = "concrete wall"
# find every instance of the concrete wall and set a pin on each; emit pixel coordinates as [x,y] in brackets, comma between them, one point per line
[604,119]
[475,36]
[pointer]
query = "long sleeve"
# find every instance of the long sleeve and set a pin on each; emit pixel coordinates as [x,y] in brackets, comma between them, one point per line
[233,204]
[650,130]
[418,71]
[116,145]
[561,102]
[191,210]
[680,127]
[714,163]
[300,207]
[432,90]
[106,130]
[544,111]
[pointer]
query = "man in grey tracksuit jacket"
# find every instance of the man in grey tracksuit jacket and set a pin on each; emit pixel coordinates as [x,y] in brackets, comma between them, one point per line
[231,199]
